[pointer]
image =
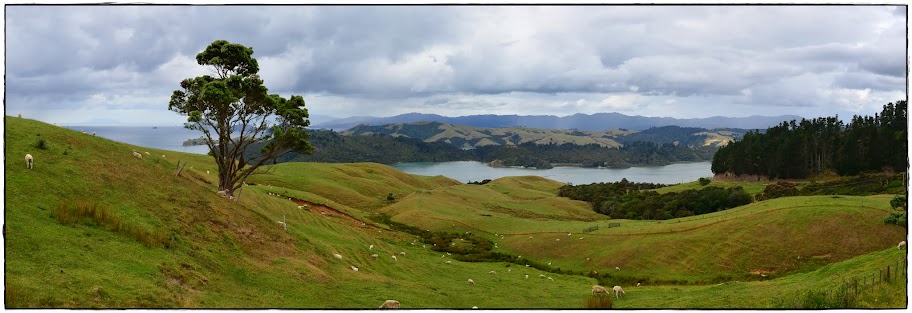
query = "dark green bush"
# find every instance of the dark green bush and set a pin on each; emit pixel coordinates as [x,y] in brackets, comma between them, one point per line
[778,190]
[704,181]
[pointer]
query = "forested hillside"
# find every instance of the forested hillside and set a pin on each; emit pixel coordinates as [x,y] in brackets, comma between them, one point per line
[809,147]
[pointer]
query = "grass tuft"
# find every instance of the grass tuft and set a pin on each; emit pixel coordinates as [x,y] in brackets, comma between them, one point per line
[91,214]
[600,301]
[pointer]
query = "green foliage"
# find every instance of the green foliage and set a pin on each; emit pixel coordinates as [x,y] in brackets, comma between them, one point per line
[631,201]
[800,150]
[898,203]
[599,301]
[777,190]
[234,110]
[91,214]
[704,181]
[41,144]
[390,198]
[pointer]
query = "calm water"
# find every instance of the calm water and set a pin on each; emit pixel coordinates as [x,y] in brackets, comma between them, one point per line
[466,171]
[163,137]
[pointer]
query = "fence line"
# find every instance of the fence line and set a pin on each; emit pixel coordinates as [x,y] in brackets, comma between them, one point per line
[894,272]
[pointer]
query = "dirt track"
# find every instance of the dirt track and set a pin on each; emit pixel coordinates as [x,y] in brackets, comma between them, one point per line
[328,212]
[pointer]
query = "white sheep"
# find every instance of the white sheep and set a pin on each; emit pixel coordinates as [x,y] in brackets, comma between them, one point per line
[82,131]
[449,262]
[581,238]
[492,273]
[900,246]
[395,259]
[402,253]
[375,256]
[282,223]
[549,263]
[163,155]
[371,247]
[223,193]
[509,270]
[638,284]
[354,268]
[551,279]
[474,307]
[147,153]
[568,234]
[137,155]
[596,289]
[541,275]
[390,304]
[617,268]
[471,282]
[29,161]
[618,291]
[93,134]
[207,172]
[558,239]
[527,276]
[338,256]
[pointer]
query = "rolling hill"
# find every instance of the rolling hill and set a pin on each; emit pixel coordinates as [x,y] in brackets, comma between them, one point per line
[91,226]
[470,137]
[593,122]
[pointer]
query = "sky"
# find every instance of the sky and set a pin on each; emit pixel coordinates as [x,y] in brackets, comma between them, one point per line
[119,64]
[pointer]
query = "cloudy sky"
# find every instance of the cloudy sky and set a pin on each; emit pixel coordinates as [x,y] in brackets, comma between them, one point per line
[107,64]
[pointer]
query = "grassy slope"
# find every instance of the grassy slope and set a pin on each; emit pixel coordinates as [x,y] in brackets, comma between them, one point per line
[222,254]
[751,188]
[227,254]
[734,244]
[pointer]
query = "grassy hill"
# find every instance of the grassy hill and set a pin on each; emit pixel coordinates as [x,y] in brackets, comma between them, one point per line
[91,226]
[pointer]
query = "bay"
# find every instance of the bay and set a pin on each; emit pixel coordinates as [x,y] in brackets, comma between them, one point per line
[159,137]
[466,171]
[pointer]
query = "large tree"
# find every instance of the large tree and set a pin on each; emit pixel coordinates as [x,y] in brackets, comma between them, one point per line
[233,110]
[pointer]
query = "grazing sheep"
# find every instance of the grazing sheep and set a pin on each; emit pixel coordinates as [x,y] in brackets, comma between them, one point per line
[474,308]
[617,268]
[492,273]
[93,134]
[354,268]
[29,161]
[449,262]
[147,153]
[395,259]
[338,256]
[527,265]
[282,223]
[82,131]
[762,275]
[596,289]
[581,238]
[568,234]
[223,193]
[207,172]
[390,304]
[375,256]
[541,275]
[618,291]
[163,155]
[449,253]
[587,259]
[371,247]
[901,245]
[549,263]
[558,239]
[638,284]
[527,276]
[471,282]
[137,155]
[402,253]
[509,270]
[530,237]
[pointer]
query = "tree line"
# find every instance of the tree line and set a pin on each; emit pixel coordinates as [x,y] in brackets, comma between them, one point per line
[628,200]
[813,146]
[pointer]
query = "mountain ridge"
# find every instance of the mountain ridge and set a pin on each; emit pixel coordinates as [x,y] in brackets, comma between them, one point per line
[578,121]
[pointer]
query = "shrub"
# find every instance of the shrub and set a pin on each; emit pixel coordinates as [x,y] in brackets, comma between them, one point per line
[704,181]
[41,144]
[390,198]
[601,301]
[778,190]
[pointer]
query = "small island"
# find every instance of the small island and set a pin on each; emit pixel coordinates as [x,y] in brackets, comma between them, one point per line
[201,141]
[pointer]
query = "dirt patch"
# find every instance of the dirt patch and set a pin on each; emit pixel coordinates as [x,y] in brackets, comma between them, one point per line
[823,256]
[327,212]
[762,272]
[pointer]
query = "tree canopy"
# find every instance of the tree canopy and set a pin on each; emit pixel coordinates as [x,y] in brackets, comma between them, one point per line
[234,110]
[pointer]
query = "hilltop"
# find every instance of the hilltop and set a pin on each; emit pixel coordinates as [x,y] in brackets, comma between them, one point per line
[91,226]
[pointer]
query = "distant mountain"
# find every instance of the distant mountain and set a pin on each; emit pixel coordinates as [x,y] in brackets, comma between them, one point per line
[593,122]
[473,137]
